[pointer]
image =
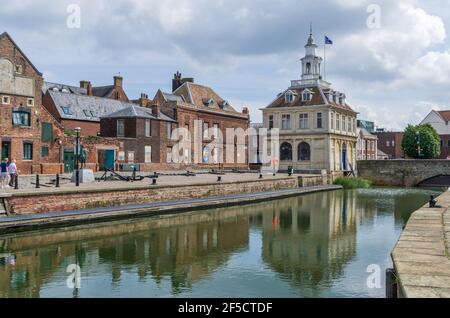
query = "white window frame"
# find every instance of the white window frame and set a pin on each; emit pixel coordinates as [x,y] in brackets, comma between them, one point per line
[303,122]
[8,100]
[148,154]
[286,122]
[122,121]
[148,128]
[30,102]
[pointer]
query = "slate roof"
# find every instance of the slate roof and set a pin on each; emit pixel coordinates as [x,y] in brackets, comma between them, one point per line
[89,108]
[366,134]
[72,89]
[103,91]
[137,111]
[318,98]
[173,97]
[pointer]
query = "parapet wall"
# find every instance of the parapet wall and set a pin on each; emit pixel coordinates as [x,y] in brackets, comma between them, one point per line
[401,172]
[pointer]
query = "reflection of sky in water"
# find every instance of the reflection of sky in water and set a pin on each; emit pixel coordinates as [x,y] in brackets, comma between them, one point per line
[317,245]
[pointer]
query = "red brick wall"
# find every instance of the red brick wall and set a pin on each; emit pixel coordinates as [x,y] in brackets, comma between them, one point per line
[73,200]
[17,135]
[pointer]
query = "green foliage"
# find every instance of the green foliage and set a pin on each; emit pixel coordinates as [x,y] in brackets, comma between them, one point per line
[430,142]
[69,133]
[353,183]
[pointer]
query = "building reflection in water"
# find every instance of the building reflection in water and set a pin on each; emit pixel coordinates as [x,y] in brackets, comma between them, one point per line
[308,240]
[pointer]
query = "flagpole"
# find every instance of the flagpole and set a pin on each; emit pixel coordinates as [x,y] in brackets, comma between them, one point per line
[324,60]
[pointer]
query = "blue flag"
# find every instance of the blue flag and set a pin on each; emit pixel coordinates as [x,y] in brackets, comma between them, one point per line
[328,40]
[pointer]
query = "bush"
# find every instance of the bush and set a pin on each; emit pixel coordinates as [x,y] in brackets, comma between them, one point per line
[353,183]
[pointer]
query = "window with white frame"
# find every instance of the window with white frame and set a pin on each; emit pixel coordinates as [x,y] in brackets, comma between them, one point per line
[148,154]
[148,128]
[30,102]
[319,120]
[6,100]
[130,156]
[120,128]
[332,120]
[285,122]
[303,122]
[306,96]
[388,144]
[338,122]
[289,97]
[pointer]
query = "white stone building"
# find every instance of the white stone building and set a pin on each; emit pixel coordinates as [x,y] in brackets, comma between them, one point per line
[317,126]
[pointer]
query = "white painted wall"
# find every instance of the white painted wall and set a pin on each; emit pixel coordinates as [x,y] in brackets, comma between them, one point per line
[437,122]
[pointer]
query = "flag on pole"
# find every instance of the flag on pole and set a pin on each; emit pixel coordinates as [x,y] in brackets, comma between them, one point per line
[328,40]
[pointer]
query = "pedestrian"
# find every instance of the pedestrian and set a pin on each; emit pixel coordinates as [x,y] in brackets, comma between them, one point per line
[4,173]
[12,169]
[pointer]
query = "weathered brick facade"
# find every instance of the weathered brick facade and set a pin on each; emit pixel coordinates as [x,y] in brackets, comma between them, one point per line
[20,107]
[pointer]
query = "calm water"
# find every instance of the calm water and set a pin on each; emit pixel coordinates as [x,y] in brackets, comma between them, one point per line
[317,245]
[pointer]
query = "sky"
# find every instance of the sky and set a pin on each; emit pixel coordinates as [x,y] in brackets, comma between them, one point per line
[391,58]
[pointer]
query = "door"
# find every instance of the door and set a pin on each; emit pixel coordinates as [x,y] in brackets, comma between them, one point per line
[344,157]
[5,149]
[109,159]
[69,160]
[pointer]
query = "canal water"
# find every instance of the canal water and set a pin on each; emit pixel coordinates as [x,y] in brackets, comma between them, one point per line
[328,244]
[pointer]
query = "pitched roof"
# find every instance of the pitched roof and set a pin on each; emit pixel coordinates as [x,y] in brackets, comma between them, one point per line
[61,87]
[103,91]
[83,107]
[5,34]
[445,114]
[132,111]
[205,98]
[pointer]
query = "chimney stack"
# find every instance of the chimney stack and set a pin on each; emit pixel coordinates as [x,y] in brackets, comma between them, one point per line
[177,81]
[155,110]
[87,86]
[245,111]
[118,81]
[144,101]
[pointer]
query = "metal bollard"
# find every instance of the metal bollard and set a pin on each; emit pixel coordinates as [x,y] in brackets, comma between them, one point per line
[57,180]
[391,284]
[154,181]
[37,182]
[219,178]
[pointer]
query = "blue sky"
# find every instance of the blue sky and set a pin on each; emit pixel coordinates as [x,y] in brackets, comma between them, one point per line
[247,50]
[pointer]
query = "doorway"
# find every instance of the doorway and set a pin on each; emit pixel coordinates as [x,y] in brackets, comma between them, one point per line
[106,159]
[6,149]
[69,160]
[344,157]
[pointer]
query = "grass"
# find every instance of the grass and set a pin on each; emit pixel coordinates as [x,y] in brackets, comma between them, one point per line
[353,183]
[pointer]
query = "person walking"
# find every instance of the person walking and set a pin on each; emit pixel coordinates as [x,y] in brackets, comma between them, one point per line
[4,173]
[12,169]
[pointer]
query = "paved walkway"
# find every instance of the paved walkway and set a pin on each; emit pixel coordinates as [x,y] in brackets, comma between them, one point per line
[421,257]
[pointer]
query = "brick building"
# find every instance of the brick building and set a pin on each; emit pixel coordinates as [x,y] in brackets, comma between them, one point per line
[145,133]
[82,106]
[391,144]
[20,107]
[366,146]
[191,104]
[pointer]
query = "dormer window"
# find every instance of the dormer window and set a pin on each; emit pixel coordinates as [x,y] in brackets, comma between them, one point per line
[289,97]
[224,104]
[306,95]
[208,102]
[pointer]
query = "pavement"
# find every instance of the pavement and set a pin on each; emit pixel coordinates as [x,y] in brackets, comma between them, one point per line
[421,256]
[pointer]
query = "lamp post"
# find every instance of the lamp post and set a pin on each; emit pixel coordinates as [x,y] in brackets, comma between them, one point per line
[418,144]
[77,157]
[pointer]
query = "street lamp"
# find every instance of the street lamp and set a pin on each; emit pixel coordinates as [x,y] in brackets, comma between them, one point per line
[77,157]
[418,144]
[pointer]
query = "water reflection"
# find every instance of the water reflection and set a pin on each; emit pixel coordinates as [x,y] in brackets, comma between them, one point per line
[307,241]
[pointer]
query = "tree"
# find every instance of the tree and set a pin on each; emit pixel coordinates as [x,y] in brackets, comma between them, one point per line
[421,142]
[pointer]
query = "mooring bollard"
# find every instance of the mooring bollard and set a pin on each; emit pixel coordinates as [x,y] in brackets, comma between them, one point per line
[219,178]
[134,173]
[260,176]
[16,183]
[153,181]
[37,182]
[391,284]
[57,180]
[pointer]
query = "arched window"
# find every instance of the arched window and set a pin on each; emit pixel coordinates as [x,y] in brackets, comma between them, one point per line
[304,152]
[286,152]
[308,68]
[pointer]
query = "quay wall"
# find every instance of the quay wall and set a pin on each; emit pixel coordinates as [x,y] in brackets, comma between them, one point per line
[33,202]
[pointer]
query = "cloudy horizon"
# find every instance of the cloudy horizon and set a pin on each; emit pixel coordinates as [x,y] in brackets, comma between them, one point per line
[248,51]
